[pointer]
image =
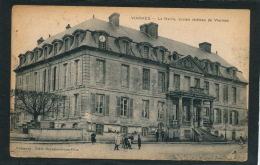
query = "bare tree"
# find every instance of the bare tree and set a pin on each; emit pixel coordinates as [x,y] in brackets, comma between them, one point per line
[36,103]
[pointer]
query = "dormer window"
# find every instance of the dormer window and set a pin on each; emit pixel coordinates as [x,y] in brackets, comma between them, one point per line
[234,74]
[162,52]
[77,39]
[55,48]
[175,55]
[45,51]
[36,54]
[125,47]
[102,42]
[66,42]
[32,56]
[146,52]
[216,69]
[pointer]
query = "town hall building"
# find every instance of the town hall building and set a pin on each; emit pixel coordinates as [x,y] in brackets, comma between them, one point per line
[114,78]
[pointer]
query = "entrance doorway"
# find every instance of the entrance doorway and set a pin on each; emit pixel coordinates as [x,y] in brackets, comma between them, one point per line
[196,115]
[160,129]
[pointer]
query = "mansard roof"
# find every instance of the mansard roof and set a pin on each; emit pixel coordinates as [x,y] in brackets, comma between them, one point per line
[138,37]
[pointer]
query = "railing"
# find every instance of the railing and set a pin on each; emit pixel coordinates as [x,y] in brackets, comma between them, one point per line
[186,123]
[197,90]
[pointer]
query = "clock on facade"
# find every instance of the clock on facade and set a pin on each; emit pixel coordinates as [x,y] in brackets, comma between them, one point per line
[102,38]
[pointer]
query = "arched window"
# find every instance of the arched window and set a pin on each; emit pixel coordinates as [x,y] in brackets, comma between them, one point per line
[162,55]
[77,39]
[125,47]
[66,43]
[56,48]
[45,51]
[63,125]
[75,125]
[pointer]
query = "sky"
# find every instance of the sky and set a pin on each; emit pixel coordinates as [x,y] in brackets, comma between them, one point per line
[226,29]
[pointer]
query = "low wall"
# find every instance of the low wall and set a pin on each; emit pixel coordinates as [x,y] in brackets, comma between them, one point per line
[56,134]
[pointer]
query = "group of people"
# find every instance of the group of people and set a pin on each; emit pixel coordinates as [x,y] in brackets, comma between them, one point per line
[162,135]
[126,141]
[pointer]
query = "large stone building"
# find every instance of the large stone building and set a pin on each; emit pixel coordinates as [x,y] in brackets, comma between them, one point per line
[115,78]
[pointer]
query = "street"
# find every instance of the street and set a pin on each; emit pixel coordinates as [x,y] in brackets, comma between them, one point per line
[192,151]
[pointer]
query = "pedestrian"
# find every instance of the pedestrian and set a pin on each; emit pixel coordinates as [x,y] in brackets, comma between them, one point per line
[139,142]
[93,138]
[162,134]
[123,141]
[129,144]
[117,141]
[157,135]
[126,142]
[241,141]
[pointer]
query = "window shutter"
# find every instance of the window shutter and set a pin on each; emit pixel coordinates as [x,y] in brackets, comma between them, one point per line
[131,108]
[230,117]
[237,118]
[72,69]
[57,78]
[118,106]
[79,72]
[52,74]
[107,105]
[93,103]
[220,116]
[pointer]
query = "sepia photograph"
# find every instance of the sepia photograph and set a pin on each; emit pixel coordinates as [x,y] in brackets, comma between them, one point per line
[129,83]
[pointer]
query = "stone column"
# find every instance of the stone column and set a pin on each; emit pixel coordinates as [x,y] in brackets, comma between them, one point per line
[191,111]
[180,111]
[211,112]
[201,112]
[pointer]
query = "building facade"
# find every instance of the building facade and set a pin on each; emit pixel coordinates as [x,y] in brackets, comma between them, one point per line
[114,78]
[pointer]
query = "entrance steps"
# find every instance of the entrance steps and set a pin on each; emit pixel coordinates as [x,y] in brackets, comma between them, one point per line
[206,136]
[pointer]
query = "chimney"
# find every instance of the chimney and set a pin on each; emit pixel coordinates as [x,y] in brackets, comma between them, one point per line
[151,29]
[68,26]
[114,19]
[39,41]
[205,46]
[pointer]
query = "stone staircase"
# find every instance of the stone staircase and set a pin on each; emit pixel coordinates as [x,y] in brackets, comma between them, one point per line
[207,137]
[25,126]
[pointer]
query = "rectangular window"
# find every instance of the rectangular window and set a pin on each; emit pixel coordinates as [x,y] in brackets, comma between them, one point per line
[45,51]
[76,72]
[77,41]
[124,130]
[102,45]
[206,112]
[145,131]
[145,111]
[216,70]
[225,117]
[217,92]
[125,47]
[186,113]
[217,116]
[55,48]
[99,129]
[125,76]
[66,44]
[233,117]
[146,79]
[44,83]
[65,75]
[162,55]
[160,110]
[234,94]
[27,82]
[146,52]
[176,82]
[63,106]
[197,82]
[124,106]
[225,93]
[35,81]
[186,83]
[206,87]
[100,72]
[161,82]
[54,74]
[76,106]
[100,102]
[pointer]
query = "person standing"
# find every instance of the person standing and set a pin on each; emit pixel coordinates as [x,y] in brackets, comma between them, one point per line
[157,135]
[117,141]
[162,136]
[139,142]
[93,138]
[126,142]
